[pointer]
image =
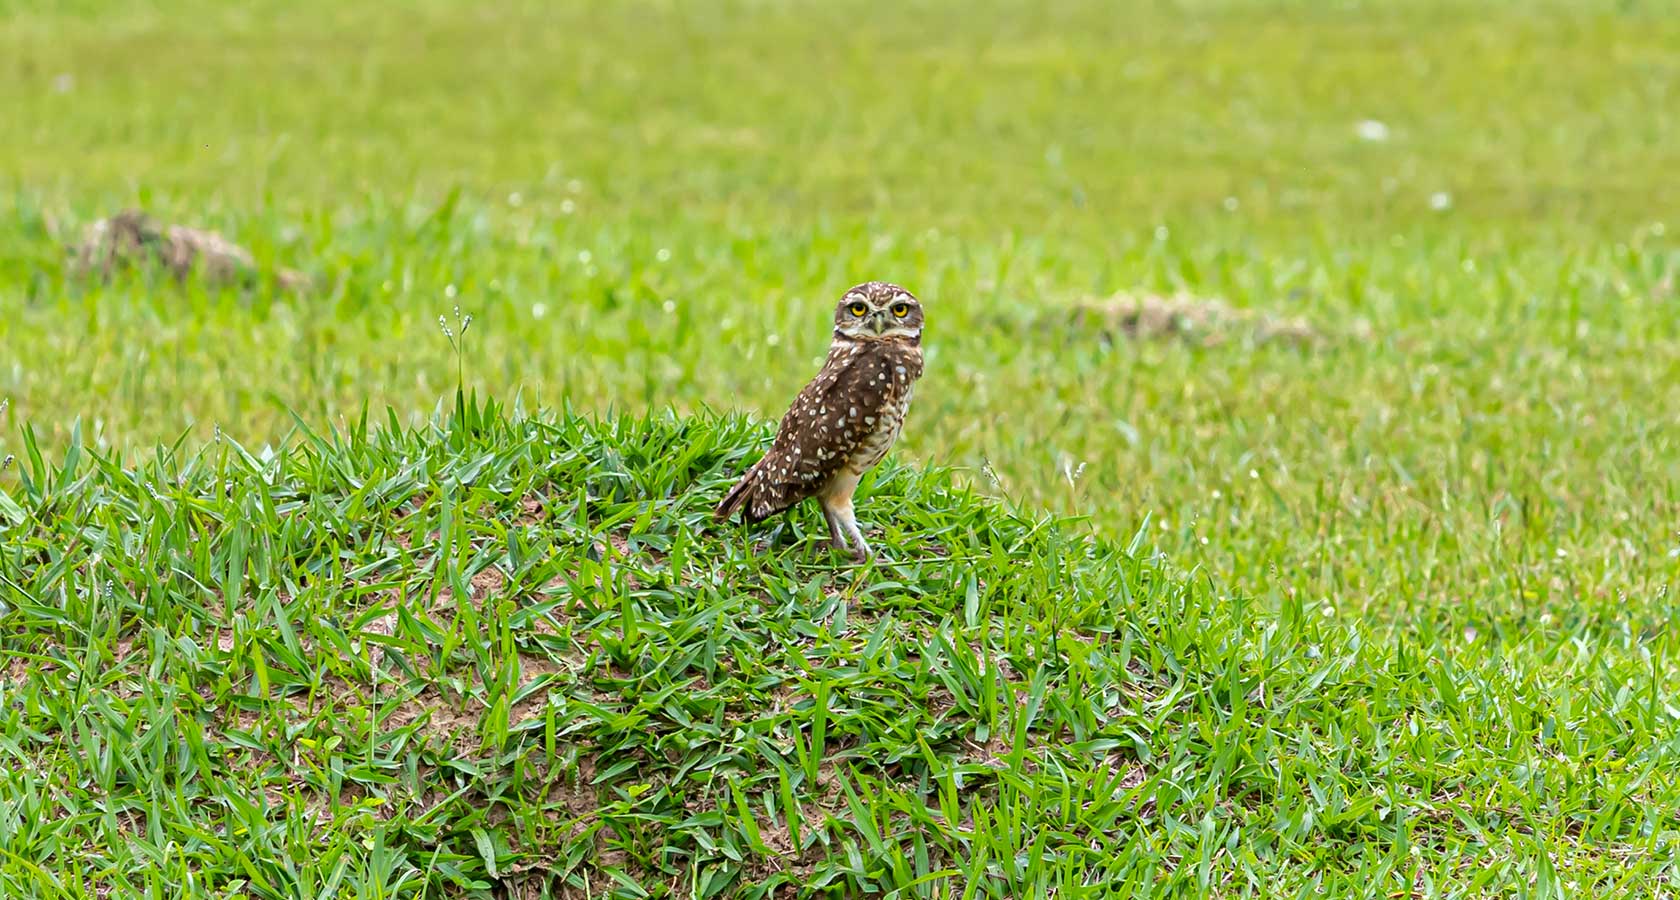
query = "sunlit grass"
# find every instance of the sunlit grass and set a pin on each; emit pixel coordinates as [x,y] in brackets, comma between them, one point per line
[512,651]
[1387,613]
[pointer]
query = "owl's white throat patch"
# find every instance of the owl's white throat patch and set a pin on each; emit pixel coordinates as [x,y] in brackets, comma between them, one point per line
[861,334]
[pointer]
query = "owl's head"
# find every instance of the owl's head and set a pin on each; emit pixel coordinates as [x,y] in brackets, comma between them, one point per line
[878,311]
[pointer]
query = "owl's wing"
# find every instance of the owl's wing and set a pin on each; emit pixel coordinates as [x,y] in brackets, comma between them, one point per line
[832,415]
[826,422]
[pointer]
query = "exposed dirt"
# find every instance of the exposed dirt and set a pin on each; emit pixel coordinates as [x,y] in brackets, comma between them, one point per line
[133,238]
[1203,321]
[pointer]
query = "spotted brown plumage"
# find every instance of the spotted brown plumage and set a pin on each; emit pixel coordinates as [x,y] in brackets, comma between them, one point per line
[845,419]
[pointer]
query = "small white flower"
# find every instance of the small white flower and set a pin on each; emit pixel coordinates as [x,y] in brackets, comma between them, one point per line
[584,256]
[773,339]
[1440,201]
[664,255]
[515,199]
[567,207]
[538,310]
[1231,204]
[670,306]
[64,83]
[1162,233]
[449,292]
[1372,130]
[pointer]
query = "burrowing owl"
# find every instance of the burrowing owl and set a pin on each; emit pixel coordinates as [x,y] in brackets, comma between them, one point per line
[842,423]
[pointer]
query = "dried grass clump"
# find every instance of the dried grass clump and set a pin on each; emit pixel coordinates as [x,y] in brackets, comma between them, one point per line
[1204,321]
[132,238]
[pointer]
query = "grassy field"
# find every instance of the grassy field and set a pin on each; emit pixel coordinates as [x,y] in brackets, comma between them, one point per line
[1387,614]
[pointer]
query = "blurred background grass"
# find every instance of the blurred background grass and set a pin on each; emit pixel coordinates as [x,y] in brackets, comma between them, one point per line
[649,204]
[1069,119]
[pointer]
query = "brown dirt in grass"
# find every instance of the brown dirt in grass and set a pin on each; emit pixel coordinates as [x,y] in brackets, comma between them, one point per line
[1202,321]
[531,511]
[444,717]
[532,667]
[486,583]
[133,238]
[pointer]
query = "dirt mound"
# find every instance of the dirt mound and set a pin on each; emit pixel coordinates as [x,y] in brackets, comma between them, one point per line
[132,238]
[1205,321]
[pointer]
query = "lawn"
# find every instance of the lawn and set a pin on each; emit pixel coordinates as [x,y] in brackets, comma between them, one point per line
[1385,613]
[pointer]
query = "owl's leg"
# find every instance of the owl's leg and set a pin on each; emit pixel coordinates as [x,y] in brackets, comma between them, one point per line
[836,537]
[836,499]
[848,521]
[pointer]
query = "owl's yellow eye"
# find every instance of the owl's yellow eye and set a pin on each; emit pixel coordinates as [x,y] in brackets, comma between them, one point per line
[858,309]
[901,309]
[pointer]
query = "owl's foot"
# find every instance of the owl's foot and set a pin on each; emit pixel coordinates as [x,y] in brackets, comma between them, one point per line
[852,553]
[845,546]
[862,553]
[860,547]
[836,535]
[844,534]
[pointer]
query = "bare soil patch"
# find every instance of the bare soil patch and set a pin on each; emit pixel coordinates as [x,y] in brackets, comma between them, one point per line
[132,238]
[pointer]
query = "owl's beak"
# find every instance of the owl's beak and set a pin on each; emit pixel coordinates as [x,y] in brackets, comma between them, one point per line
[878,322]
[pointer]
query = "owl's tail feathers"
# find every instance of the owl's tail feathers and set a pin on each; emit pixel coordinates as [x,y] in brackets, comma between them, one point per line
[737,496]
[748,495]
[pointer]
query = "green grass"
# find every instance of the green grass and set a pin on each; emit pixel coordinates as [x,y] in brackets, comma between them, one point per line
[513,651]
[1465,504]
